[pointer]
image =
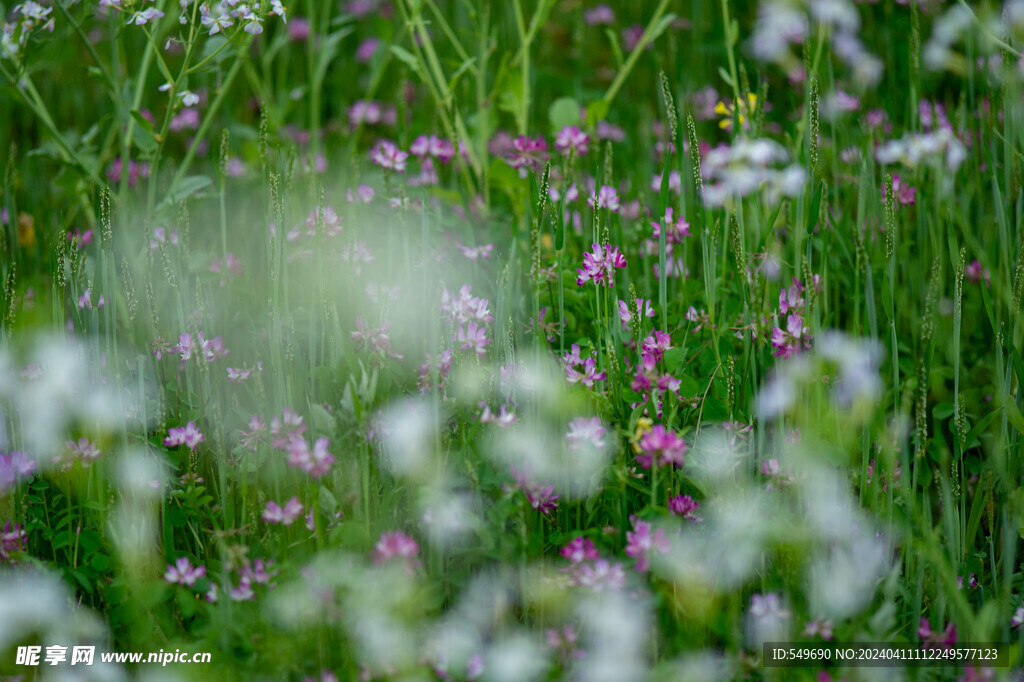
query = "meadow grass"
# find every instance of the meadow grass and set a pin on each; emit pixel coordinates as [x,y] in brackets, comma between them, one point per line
[425,340]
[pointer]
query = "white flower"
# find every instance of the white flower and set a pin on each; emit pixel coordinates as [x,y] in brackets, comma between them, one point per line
[277,8]
[143,17]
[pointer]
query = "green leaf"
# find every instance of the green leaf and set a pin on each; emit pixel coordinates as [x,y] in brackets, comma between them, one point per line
[99,562]
[714,410]
[143,122]
[82,579]
[186,602]
[328,504]
[1014,415]
[634,417]
[974,520]
[564,111]
[322,420]
[406,57]
[185,188]
[560,226]
[326,52]
[488,118]
[89,540]
[463,68]
[596,111]
[613,38]
[1015,359]
[144,137]
[176,517]
[812,216]
[1017,509]
[510,89]
[667,20]
[943,411]
[503,176]
[213,44]
[733,34]
[725,76]
[350,534]
[979,428]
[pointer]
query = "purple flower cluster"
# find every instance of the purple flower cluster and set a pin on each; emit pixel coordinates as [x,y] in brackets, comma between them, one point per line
[255,435]
[188,435]
[795,337]
[528,154]
[579,370]
[571,138]
[542,498]
[85,301]
[599,265]
[607,197]
[470,314]
[626,315]
[12,540]
[589,570]
[365,112]
[287,432]
[83,450]
[939,639]
[210,349]
[676,229]
[564,643]
[12,467]
[684,506]
[648,379]
[504,418]
[250,573]
[396,545]
[662,447]
[286,515]
[463,307]
[228,269]
[388,156]
[377,341]
[443,365]
[434,147]
[642,541]
[182,572]
[237,375]
[587,431]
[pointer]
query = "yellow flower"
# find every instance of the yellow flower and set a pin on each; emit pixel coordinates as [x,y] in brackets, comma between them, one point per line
[745,110]
[26,230]
[643,425]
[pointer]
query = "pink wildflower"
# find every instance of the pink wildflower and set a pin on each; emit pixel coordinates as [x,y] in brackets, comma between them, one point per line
[188,435]
[641,541]
[661,446]
[286,515]
[183,573]
[389,157]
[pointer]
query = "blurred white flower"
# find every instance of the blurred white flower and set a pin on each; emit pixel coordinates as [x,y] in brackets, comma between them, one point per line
[783,24]
[615,634]
[768,619]
[858,360]
[939,148]
[37,606]
[409,430]
[516,657]
[747,166]
[738,527]
[843,582]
